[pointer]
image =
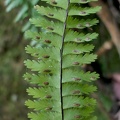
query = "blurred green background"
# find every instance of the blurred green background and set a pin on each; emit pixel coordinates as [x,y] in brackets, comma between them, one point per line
[14,16]
[12,54]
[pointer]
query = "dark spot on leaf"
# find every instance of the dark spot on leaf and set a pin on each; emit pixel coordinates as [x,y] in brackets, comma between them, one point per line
[77,79]
[83,12]
[47,71]
[76,92]
[83,0]
[76,51]
[36,54]
[77,39]
[37,37]
[76,63]
[48,96]
[51,74]
[49,108]
[50,28]
[46,83]
[48,41]
[50,14]
[77,116]
[46,56]
[76,104]
[54,2]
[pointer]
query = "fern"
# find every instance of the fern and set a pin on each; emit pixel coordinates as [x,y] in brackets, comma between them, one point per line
[26,10]
[61,88]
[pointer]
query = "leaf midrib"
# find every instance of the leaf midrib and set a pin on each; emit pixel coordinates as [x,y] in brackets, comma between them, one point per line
[61,61]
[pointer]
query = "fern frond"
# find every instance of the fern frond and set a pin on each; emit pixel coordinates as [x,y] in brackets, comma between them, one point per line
[73,36]
[74,10]
[78,60]
[78,76]
[43,53]
[80,24]
[49,26]
[77,49]
[60,4]
[61,88]
[58,14]
[82,1]
[45,39]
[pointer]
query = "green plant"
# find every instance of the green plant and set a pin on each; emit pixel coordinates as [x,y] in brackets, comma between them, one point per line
[61,88]
[26,10]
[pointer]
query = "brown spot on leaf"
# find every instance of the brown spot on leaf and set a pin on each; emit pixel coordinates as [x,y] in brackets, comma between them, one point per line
[76,104]
[48,41]
[50,28]
[47,71]
[76,92]
[76,63]
[49,108]
[54,2]
[77,116]
[77,79]
[83,12]
[50,14]
[46,83]
[46,56]
[37,37]
[48,96]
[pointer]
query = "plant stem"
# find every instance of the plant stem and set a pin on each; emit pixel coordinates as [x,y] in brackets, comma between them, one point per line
[61,56]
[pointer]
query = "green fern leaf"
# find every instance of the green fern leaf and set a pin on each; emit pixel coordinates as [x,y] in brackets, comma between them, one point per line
[82,1]
[58,3]
[80,24]
[61,88]
[83,11]
[78,76]
[58,14]
[72,36]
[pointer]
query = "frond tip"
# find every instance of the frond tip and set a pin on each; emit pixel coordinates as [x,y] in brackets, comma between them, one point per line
[61,88]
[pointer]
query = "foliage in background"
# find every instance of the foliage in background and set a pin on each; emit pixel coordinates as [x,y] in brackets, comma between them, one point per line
[25,10]
[12,55]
